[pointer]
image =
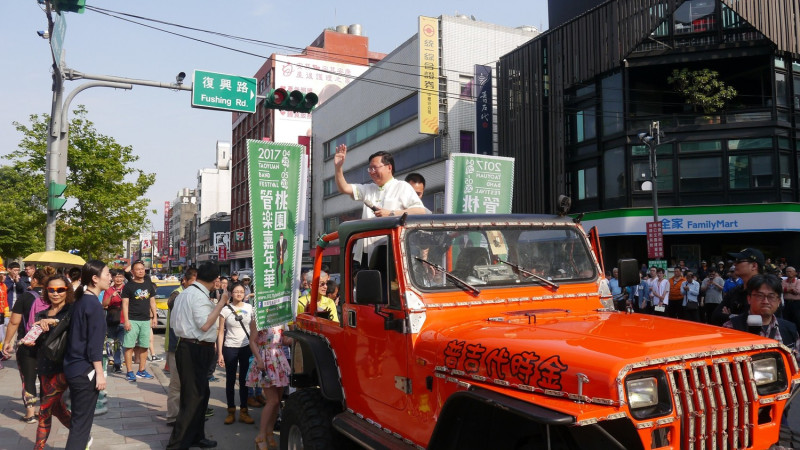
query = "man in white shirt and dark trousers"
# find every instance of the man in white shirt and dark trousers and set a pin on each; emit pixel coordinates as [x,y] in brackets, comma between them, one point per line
[194,318]
[691,298]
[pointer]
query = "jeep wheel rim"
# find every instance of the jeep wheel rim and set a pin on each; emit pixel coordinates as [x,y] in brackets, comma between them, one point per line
[295,438]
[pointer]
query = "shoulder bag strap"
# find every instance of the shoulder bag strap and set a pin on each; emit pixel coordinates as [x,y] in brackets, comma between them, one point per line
[241,322]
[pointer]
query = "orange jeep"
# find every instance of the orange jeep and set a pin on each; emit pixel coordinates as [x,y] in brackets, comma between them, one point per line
[491,332]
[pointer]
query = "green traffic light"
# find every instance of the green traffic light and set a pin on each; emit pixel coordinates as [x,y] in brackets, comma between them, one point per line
[76,6]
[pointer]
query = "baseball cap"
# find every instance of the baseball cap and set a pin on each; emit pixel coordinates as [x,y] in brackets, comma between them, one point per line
[750,255]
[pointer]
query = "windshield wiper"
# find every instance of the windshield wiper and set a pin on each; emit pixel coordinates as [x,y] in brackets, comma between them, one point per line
[457,281]
[531,274]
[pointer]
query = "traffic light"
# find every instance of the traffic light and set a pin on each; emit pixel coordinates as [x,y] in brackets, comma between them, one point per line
[76,6]
[54,192]
[291,101]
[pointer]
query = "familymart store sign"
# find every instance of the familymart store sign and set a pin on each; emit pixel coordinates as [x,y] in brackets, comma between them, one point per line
[698,220]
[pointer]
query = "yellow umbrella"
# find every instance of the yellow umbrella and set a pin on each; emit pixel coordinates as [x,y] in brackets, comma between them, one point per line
[55,257]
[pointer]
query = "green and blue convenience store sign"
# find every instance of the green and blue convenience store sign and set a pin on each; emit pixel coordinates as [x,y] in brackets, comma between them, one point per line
[757,218]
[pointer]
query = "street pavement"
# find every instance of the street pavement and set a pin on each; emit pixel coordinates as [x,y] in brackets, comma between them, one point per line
[136,417]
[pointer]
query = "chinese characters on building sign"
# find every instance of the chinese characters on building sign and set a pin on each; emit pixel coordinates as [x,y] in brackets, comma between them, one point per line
[277,189]
[479,184]
[429,75]
[483,110]
[655,240]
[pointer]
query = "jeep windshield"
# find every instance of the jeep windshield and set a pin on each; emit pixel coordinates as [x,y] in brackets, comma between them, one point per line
[501,256]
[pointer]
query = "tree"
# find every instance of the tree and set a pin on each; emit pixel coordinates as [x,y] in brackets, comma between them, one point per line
[702,89]
[22,201]
[108,195]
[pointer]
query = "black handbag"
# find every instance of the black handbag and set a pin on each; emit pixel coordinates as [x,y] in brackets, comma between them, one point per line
[55,343]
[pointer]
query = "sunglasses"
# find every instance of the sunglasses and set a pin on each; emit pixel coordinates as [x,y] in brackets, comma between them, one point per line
[57,290]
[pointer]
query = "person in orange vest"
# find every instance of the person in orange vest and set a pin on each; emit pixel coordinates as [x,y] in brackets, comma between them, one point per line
[675,306]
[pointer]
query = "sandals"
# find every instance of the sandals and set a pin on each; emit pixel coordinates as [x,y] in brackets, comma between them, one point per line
[266,443]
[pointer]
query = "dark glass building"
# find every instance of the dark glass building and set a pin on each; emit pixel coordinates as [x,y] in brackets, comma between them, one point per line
[572,102]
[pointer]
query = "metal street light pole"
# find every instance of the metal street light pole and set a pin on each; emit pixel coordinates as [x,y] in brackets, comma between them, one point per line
[652,141]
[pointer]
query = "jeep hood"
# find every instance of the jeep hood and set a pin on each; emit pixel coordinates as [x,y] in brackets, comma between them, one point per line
[548,349]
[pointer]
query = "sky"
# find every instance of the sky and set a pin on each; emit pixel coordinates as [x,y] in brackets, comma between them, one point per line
[172,139]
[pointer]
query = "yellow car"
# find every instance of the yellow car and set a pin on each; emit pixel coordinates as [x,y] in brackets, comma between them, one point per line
[163,290]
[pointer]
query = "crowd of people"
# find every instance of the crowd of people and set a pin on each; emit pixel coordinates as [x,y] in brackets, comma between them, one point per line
[748,293]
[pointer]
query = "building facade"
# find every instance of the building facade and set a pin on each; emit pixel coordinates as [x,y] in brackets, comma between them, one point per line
[382,114]
[182,218]
[574,100]
[332,61]
[214,184]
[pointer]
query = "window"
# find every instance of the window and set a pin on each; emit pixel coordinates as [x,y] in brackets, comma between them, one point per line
[329,187]
[583,125]
[614,173]
[694,147]
[385,120]
[746,172]
[586,183]
[700,174]
[781,90]
[642,150]
[786,179]
[331,224]
[465,87]
[641,175]
[465,145]
[750,144]
[613,107]
[695,16]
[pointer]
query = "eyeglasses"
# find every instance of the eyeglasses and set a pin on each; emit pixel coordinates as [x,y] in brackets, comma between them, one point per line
[373,169]
[57,290]
[323,283]
[760,296]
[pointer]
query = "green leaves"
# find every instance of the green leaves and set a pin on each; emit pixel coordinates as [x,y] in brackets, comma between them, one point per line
[106,194]
[702,89]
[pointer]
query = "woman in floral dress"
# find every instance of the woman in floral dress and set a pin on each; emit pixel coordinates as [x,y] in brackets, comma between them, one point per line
[269,371]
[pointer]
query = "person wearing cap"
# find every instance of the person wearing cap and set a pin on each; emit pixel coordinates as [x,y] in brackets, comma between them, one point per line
[234,280]
[747,263]
[791,296]
[248,288]
[731,281]
[702,272]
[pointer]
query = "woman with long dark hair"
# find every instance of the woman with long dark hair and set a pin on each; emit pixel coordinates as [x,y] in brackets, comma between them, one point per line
[20,324]
[57,293]
[83,359]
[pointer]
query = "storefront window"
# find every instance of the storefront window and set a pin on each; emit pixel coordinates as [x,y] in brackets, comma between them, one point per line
[614,173]
[700,174]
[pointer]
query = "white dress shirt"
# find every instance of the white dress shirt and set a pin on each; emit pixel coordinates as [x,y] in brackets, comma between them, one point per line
[191,311]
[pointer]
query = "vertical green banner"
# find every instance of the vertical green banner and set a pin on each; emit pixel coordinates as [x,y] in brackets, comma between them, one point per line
[276,176]
[478,184]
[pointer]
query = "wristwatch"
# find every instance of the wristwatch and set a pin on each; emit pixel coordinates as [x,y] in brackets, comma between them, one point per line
[391,213]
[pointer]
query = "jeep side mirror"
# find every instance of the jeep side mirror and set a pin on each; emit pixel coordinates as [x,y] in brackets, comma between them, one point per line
[628,272]
[368,287]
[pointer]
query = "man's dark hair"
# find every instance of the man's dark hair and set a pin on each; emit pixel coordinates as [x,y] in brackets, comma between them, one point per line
[415,178]
[659,270]
[138,261]
[13,265]
[75,273]
[30,264]
[386,158]
[756,281]
[207,272]
[190,273]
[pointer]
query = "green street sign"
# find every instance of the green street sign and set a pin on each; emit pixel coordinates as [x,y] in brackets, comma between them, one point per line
[222,91]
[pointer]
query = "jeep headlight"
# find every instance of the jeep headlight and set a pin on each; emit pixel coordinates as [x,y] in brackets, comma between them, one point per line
[642,393]
[647,394]
[765,371]
[769,373]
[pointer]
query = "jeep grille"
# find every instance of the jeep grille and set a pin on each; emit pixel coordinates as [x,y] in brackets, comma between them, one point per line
[715,402]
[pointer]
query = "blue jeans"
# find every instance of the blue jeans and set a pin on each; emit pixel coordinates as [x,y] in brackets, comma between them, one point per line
[114,337]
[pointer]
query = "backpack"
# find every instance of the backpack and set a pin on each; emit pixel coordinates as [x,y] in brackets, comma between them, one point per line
[38,305]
